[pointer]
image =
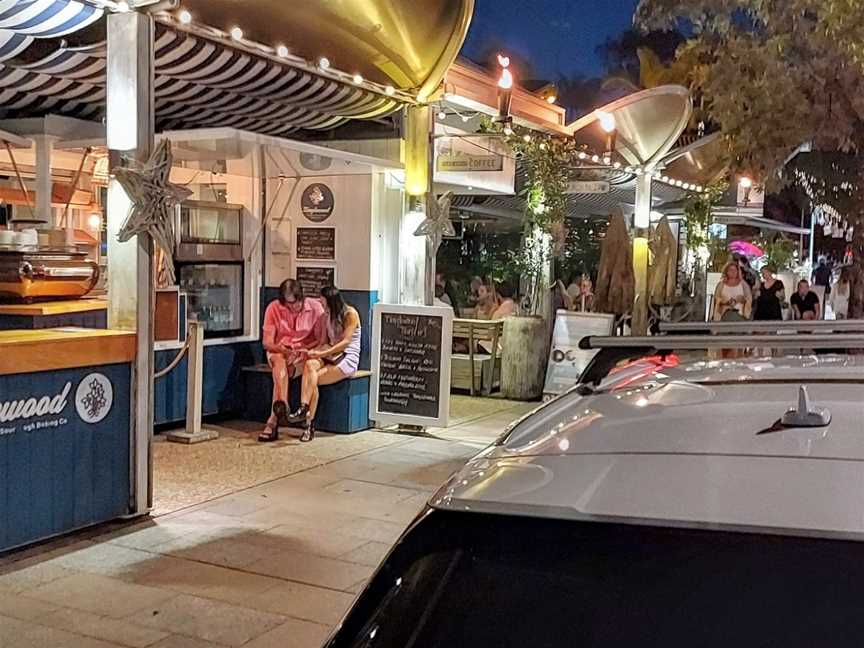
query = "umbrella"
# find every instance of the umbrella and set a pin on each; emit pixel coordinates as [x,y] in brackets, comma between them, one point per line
[746,249]
[661,284]
[616,284]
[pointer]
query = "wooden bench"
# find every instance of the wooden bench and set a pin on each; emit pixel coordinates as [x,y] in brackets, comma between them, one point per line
[477,371]
[343,408]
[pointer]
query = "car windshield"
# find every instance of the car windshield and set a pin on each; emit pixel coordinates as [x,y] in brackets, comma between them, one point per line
[470,579]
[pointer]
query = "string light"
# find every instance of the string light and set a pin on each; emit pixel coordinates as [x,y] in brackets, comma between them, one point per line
[526,137]
[390,90]
[236,33]
[282,51]
[583,155]
[324,63]
[357,79]
[607,160]
[616,164]
[185,17]
[595,159]
[442,115]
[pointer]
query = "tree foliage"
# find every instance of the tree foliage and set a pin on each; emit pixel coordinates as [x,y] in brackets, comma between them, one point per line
[775,75]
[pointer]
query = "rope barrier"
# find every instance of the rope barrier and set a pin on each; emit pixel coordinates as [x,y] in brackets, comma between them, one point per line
[176,361]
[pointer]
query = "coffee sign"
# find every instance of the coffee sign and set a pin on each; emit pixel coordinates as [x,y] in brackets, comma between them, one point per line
[317,202]
[462,163]
[587,187]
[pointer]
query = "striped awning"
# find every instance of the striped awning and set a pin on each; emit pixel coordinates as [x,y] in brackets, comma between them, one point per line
[22,21]
[200,82]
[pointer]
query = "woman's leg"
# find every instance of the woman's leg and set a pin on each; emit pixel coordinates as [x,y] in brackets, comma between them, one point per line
[310,380]
[326,375]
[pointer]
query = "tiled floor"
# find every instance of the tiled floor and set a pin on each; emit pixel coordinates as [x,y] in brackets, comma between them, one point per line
[274,561]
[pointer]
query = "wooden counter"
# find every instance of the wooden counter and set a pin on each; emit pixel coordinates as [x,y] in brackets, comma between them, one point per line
[43,309]
[30,351]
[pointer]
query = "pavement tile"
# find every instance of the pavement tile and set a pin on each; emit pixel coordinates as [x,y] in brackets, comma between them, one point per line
[293,634]
[214,582]
[303,538]
[108,559]
[209,620]
[380,493]
[20,577]
[101,627]
[24,634]
[181,641]
[312,570]
[236,552]
[305,602]
[25,608]
[369,529]
[100,595]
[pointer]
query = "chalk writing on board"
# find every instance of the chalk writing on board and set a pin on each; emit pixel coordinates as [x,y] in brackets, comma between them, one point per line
[409,381]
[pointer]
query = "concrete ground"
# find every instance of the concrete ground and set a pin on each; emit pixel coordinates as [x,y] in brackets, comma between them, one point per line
[255,545]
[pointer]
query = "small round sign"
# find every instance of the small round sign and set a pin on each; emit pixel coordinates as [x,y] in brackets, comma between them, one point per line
[315,162]
[94,398]
[317,202]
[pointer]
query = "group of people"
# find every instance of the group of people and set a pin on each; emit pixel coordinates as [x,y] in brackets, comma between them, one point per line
[739,297]
[486,299]
[317,338]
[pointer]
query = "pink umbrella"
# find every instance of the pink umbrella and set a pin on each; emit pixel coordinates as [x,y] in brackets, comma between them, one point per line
[746,249]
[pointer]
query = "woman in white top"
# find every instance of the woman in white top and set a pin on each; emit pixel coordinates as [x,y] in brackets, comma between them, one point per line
[733,299]
[839,300]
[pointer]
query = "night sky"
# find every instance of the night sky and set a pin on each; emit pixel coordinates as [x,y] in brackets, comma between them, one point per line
[558,37]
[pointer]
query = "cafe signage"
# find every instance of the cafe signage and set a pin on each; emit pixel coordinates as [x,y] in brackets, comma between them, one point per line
[314,278]
[461,162]
[587,187]
[411,348]
[566,360]
[317,202]
[318,243]
[94,398]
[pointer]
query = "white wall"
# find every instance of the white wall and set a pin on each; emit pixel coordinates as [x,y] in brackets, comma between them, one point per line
[387,205]
[352,218]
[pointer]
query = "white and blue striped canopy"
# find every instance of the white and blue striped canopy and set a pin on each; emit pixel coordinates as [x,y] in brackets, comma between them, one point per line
[200,82]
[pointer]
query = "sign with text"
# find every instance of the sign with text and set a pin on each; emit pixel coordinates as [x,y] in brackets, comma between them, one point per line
[318,243]
[411,348]
[587,187]
[566,360]
[462,163]
[314,278]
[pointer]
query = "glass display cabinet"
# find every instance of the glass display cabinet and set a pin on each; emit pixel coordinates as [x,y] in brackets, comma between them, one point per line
[215,296]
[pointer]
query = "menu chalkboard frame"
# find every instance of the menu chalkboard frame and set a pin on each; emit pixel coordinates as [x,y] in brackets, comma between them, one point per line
[383,417]
[300,267]
[297,245]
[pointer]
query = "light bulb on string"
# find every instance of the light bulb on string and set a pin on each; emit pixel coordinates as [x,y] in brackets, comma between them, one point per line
[526,137]
[357,79]
[282,51]
[390,90]
[236,33]
[442,115]
[583,155]
[324,63]
[185,17]
[595,159]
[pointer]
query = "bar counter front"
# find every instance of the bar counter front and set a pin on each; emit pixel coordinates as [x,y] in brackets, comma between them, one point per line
[65,431]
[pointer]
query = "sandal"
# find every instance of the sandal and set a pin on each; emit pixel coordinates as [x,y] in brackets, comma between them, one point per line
[309,433]
[299,416]
[270,433]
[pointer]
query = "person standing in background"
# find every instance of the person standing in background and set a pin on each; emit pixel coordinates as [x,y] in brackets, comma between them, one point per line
[772,294]
[821,281]
[839,300]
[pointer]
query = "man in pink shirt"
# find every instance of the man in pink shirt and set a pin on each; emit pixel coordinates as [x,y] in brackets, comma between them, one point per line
[293,325]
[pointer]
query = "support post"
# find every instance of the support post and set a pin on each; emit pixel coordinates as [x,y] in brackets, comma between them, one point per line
[194,433]
[131,295]
[418,259]
[641,229]
[44,145]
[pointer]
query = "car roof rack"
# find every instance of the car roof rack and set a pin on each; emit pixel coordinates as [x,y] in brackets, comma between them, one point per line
[799,326]
[613,350]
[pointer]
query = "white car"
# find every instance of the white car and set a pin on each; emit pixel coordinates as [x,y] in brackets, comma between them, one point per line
[674,504]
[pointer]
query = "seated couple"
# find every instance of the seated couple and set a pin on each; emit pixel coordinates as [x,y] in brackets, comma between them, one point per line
[318,339]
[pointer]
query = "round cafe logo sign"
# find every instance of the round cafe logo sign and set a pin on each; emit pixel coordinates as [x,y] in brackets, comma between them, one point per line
[317,202]
[94,397]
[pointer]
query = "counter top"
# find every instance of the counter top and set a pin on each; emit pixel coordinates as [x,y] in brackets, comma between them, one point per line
[41,309]
[63,348]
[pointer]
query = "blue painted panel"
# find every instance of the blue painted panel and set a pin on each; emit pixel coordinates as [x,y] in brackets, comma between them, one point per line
[222,365]
[62,470]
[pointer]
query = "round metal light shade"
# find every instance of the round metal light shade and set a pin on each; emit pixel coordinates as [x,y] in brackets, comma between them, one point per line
[648,124]
[408,44]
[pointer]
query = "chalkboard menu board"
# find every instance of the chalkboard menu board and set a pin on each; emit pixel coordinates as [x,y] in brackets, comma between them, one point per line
[316,243]
[313,279]
[411,364]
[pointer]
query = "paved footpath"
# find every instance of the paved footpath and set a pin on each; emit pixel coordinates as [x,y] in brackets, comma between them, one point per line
[274,565]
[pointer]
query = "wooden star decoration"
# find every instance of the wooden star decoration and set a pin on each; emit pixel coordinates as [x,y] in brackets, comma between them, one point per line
[437,224]
[153,198]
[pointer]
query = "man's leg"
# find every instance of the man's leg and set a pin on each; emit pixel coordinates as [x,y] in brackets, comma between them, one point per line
[281,378]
